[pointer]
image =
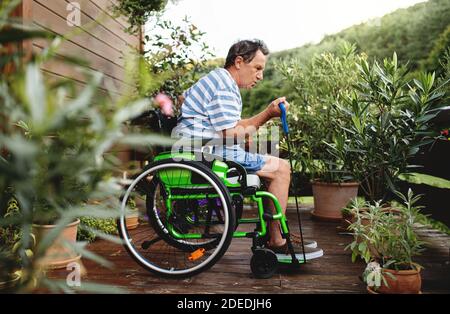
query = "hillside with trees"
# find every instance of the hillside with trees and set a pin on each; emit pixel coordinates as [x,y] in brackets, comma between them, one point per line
[419,34]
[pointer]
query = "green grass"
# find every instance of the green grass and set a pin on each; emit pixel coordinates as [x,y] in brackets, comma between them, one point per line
[301,200]
[308,199]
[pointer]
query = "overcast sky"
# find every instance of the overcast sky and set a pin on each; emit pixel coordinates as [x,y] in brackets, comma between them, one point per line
[282,24]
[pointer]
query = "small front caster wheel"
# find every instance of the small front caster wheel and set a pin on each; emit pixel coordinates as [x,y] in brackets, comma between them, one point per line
[264,263]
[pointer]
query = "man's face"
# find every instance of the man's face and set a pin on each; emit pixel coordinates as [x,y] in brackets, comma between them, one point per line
[251,73]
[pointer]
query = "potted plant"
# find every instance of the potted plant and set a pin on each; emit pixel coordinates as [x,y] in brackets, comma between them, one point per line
[319,146]
[55,157]
[388,244]
[64,157]
[391,119]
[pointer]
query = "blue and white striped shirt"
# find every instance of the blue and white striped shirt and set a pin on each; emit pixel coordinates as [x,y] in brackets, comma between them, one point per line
[211,105]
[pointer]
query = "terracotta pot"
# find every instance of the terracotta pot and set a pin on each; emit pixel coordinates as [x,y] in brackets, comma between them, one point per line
[330,198]
[408,282]
[57,255]
[132,221]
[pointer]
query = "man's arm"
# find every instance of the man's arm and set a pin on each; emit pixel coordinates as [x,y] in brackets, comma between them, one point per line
[247,127]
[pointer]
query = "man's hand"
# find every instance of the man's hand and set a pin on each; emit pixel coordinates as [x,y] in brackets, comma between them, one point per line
[249,126]
[273,109]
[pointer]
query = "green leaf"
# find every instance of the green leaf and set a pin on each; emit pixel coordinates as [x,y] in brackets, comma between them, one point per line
[362,247]
[91,287]
[6,7]
[14,35]
[132,111]
[36,94]
[394,59]
[370,277]
[19,146]
[146,140]
[420,178]
[378,281]
[427,117]
[83,101]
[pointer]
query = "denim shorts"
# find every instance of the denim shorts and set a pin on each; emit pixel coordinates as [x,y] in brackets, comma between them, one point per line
[252,162]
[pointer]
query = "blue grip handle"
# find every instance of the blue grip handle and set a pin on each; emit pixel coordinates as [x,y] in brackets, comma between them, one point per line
[283,118]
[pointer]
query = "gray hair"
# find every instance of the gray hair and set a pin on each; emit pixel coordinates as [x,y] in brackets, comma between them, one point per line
[246,49]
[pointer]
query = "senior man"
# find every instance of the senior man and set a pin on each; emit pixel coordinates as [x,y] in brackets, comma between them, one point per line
[212,108]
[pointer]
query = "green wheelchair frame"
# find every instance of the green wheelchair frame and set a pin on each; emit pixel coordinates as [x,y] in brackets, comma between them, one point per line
[220,168]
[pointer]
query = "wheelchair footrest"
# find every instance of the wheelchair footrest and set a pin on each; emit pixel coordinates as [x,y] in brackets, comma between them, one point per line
[286,258]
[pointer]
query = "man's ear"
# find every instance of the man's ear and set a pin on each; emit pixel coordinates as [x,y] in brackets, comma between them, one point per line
[238,62]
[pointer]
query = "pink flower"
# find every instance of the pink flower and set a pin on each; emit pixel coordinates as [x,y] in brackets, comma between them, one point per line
[165,103]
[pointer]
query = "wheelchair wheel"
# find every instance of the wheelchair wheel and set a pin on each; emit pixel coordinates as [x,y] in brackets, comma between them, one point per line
[264,263]
[187,218]
[180,218]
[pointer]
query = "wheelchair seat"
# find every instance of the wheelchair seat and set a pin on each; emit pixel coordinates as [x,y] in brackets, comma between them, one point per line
[253,180]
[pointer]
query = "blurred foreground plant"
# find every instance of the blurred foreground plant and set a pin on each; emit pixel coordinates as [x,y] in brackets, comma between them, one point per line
[55,155]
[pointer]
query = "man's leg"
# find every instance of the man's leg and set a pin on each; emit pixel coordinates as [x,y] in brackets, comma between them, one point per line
[277,174]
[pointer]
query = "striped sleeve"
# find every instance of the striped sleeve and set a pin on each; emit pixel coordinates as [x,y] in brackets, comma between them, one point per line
[223,110]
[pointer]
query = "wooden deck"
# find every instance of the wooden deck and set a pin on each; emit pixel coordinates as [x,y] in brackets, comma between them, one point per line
[333,273]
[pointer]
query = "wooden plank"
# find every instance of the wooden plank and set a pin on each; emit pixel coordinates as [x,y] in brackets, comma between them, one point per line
[23,11]
[333,273]
[124,22]
[44,17]
[111,31]
[27,16]
[55,77]
[69,49]
[121,19]
[106,7]
[89,25]
[58,66]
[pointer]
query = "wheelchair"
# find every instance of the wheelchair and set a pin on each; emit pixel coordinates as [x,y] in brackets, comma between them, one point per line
[192,203]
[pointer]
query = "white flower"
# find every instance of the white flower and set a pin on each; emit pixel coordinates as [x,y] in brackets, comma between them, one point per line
[372,274]
[373,267]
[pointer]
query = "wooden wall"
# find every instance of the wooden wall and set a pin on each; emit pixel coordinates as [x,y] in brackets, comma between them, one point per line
[101,40]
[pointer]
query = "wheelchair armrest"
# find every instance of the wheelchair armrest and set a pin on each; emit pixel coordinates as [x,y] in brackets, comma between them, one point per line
[240,170]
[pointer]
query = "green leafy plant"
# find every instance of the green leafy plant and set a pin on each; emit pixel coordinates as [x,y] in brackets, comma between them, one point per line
[138,11]
[10,236]
[319,145]
[391,120]
[55,155]
[420,178]
[177,52]
[386,237]
[91,227]
[351,207]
